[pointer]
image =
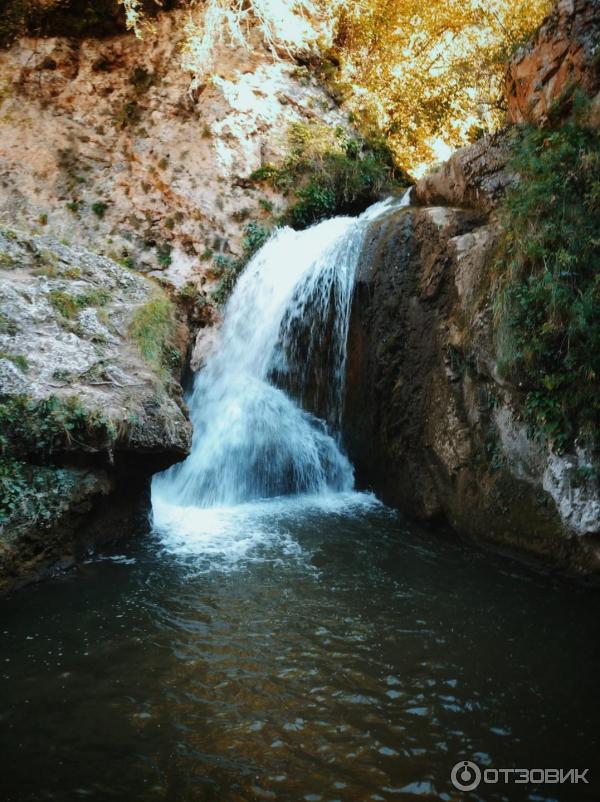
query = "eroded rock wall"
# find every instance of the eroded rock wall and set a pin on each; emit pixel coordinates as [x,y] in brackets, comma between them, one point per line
[563,55]
[429,423]
[105,142]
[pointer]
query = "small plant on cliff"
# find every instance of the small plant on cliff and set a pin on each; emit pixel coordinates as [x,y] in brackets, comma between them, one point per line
[153,328]
[330,172]
[229,269]
[17,359]
[163,254]
[548,310]
[42,427]
[68,305]
[99,208]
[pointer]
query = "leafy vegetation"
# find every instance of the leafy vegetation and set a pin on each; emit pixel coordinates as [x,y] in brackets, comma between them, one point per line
[99,208]
[163,254]
[403,68]
[229,269]
[32,493]
[153,328]
[29,426]
[330,172]
[548,309]
[407,68]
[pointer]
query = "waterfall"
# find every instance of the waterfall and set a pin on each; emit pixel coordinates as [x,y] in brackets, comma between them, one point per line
[267,406]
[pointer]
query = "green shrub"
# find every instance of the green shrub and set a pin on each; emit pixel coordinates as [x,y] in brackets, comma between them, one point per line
[75,206]
[330,172]
[99,208]
[548,306]
[255,237]
[163,254]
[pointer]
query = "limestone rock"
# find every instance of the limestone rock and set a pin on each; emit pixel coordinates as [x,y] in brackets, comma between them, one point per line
[82,413]
[64,332]
[106,142]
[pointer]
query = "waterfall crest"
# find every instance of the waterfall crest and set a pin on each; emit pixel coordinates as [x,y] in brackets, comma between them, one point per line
[254,437]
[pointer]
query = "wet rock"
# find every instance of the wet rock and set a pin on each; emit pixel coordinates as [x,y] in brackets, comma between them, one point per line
[42,531]
[83,414]
[429,423]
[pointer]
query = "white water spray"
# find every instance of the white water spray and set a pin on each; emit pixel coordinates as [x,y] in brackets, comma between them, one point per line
[285,326]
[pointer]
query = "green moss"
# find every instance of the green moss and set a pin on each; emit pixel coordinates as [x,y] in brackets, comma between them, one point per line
[68,305]
[548,306]
[153,328]
[17,359]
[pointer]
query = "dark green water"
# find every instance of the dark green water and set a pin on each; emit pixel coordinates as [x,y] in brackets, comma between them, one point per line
[299,654]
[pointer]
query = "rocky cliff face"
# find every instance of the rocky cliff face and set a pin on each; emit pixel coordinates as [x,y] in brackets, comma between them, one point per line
[104,141]
[563,55]
[431,424]
[113,163]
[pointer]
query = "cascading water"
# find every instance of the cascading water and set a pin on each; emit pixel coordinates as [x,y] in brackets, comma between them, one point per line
[253,438]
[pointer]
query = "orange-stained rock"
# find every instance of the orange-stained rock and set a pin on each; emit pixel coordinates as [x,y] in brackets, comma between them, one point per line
[565,53]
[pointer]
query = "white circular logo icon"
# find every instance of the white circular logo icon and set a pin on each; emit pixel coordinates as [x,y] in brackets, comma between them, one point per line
[465,775]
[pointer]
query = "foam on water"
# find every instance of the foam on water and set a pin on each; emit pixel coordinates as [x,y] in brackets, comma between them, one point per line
[225,537]
[268,405]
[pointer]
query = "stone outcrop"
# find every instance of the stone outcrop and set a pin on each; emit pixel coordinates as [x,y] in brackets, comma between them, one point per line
[475,177]
[564,54]
[430,424]
[83,414]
